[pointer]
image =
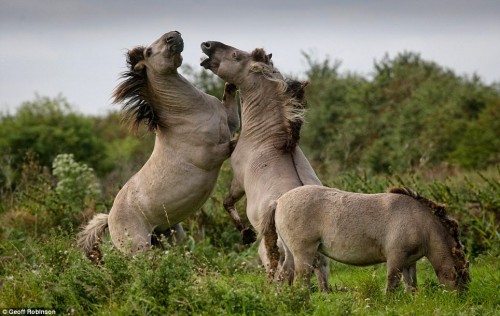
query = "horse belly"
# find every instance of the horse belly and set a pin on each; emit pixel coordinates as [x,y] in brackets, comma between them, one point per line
[169,203]
[355,250]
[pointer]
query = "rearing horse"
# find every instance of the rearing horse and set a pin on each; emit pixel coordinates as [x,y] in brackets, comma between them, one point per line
[266,161]
[193,138]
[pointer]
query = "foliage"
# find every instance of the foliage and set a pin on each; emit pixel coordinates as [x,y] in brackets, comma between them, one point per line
[48,127]
[76,181]
[63,199]
[412,114]
[211,281]
[205,80]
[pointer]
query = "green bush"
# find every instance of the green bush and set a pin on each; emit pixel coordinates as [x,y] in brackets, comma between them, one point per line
[47,127]
[412,114]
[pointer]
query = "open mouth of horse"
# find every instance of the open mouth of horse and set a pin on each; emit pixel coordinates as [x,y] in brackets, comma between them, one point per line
[206,61]
[177,47]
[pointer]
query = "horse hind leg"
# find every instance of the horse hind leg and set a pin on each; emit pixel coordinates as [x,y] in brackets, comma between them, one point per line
[172,234]
[130,237]
[304,253]
[286,270]
[304,266]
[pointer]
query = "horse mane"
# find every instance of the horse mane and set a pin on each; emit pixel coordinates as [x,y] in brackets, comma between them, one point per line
[438,210]
[292,91]
[133,92]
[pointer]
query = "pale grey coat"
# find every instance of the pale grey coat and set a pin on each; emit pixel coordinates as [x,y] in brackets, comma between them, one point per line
[262,168]
[193,138]
[398,227]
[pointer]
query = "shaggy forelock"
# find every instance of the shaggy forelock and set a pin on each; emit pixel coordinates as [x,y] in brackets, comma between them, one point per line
[259,55]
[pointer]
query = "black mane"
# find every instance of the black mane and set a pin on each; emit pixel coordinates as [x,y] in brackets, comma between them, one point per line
[133,93]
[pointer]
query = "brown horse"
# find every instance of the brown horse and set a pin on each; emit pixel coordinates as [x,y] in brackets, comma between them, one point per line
[193,138]
[398,227]
[266,161]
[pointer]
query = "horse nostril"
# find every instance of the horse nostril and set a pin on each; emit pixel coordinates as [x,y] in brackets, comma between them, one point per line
[206,45]
[170,39]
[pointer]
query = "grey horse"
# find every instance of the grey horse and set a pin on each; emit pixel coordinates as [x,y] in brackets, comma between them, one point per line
[398,227]
[267,162]
[193,138]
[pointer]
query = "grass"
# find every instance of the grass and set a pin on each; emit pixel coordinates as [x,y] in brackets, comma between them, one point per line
[212,274]
[206,280]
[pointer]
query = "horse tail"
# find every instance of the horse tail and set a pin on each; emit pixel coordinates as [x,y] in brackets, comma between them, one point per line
[90,237]
[267,230]
[438,210]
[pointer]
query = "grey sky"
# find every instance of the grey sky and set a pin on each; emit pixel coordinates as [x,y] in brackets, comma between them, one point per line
[76,48]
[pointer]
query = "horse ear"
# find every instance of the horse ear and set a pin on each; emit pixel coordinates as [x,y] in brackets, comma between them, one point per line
[269,56]
[135,58]
[139,67]
[259,55]
[304,84]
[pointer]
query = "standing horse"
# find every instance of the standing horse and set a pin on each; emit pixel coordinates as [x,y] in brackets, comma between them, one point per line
[398,227]
[266,161]
[193,138]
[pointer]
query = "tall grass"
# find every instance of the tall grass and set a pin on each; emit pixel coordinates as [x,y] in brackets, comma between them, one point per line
[183,280]
[212,273]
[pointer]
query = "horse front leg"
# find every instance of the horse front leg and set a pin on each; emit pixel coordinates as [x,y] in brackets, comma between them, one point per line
[410,277]
[231,107]
[395,267]
[321,268]
[235,193]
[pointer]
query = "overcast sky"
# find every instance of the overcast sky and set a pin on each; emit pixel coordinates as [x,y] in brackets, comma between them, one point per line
[76,48]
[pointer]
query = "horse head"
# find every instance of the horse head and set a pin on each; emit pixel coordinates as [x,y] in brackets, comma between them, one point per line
[161,58]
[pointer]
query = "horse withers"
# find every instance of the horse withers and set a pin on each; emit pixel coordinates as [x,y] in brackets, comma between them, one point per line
[398,227]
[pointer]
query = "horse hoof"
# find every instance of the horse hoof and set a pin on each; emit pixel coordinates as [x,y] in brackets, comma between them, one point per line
[248,236]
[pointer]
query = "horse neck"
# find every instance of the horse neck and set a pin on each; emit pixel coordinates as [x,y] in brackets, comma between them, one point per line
[262,112]
[439,249]
[175,99]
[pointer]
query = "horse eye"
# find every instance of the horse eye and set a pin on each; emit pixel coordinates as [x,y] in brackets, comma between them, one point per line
[149,51]
[235,55]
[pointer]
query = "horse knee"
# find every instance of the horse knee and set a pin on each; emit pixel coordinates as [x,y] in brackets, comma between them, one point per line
[410,278]
[393,279]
